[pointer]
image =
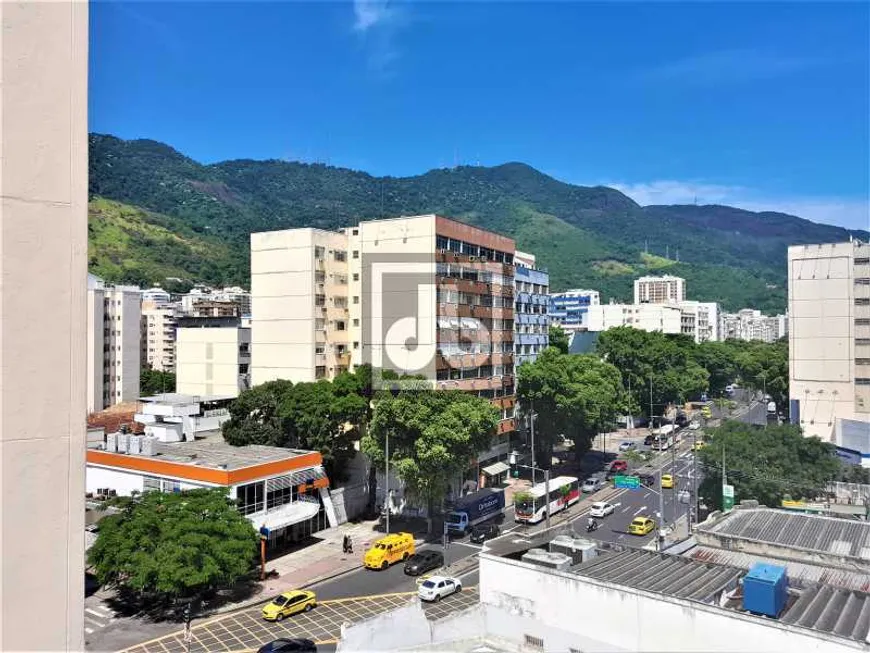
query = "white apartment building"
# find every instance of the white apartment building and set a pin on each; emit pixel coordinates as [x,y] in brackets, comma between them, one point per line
[570,309]
[700,320]
[213,356]
[114,350]
[659,290]
[159,319]
[646,317]
[204,301]
[751,324]
[236,295]
[829,342]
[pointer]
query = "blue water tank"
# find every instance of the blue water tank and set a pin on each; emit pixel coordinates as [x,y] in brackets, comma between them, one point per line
[765,589]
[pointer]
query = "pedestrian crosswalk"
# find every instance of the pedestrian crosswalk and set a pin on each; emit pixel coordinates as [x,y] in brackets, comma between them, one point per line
[96,617]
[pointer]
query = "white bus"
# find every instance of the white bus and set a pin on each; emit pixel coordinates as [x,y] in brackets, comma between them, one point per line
[564,492]
[664,437]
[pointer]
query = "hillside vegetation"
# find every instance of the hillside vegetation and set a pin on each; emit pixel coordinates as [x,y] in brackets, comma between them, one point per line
[592,237]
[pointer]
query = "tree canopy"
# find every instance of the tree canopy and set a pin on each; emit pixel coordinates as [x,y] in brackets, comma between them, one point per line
[768,465]
[559,339]
[434,435]
[174,544]
[155,382]
[572,394]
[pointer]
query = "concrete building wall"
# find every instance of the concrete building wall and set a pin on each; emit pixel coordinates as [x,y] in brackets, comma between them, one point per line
[824,331]
[43,367]
[211,361]
[647,317]
[659,290]
[292,326]
[158,337]
[95,349]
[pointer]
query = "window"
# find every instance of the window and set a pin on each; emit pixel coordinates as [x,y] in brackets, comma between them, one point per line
[356,322]
[355,232]
[862,321]
[318,349]
[534,642]
[859,381]
[356,345]
[250,498]
[356,276]
[356,299]
[339,255]
[318,252]
[340,325]
[356,253]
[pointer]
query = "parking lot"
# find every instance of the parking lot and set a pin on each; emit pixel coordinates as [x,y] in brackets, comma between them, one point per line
[246,630]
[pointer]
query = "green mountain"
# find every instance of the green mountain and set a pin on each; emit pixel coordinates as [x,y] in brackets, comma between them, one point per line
[593,237]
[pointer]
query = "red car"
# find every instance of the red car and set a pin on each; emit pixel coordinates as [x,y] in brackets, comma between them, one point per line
[618,467]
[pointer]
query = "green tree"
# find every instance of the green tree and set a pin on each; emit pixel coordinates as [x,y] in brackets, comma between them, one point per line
[766,464]
[559,339]
[255,416]
[571,394]
[168,545]
[155,382]
[434,436]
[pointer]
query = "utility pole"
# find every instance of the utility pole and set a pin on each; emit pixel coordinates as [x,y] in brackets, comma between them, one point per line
[547,493]
[387,482]
[650,403]
[532,419]
[630,422]
[661,511]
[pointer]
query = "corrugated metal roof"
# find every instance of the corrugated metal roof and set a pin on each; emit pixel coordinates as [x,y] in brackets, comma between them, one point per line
[803,573]
[831,535]
[661,573]
[832,610]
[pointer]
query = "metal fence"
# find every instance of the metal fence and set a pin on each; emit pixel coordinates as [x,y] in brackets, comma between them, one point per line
[855,494]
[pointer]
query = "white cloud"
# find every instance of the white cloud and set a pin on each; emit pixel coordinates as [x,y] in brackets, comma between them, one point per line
[369,13]
[853,213]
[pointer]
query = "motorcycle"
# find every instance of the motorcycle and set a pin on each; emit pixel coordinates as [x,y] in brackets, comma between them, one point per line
[592,526]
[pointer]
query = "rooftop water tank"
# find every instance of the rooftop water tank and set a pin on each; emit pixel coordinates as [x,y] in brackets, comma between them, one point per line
[765,589]
[546,559]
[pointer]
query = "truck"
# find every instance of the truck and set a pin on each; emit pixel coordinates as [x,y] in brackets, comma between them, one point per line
[474,509]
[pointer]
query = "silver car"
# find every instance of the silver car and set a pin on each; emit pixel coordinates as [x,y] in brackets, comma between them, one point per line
[436,588]
[592,484]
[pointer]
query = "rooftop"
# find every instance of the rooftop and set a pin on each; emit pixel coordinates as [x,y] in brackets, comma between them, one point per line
[662,573]
[176,399]
[831,610]
[814,533]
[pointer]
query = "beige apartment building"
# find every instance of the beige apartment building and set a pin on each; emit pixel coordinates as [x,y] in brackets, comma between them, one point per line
[659,290]
[646,317]
[159,321]
[213,357]
[323,301]
[114,349]
[44,344]
[829,342]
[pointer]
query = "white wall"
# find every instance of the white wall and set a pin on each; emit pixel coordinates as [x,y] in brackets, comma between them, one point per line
[125,482]
[43,318]
[207,360]
[95,349]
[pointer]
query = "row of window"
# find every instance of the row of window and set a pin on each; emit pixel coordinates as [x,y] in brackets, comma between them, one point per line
[457,271]
[532,288]
[470,299]
[462,247]
[532,328]
[467,347]
[530,309]
[482,372]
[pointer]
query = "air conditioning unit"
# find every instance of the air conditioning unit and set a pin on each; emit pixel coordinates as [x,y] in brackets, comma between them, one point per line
[135,445]
[123,440]
[112,442]
[149,446]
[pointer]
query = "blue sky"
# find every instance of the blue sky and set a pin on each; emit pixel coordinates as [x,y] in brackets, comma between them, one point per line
[760,105]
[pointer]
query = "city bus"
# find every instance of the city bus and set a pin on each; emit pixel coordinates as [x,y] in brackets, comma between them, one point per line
[664,437]
[564,492]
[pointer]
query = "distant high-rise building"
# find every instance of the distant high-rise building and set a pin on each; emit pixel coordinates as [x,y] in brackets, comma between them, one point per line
[531,322]
[646,317]
[700,320]
[829,342]
[159,318]
[114,349]
[570,309]
[659,290]
[213,356]
[751,324]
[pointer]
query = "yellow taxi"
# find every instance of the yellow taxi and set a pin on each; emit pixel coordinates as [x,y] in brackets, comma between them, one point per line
[641,526]
[393,548]
[698,445]
[706,412]
[289,603]
[667,481]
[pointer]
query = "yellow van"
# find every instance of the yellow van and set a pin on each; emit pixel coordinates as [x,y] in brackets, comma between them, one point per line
[387,550]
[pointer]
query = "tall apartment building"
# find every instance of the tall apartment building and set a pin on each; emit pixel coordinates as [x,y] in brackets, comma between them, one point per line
[531,322]
[236,295]
[751,324]
[213,356]
[43,265]
[159,319]
[646,317]
[324,301]
[570,309]
[204,301]
[700,320]
[659,290]
[114,350]
[829,342]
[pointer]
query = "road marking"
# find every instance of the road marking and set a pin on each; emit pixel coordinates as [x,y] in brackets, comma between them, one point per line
[95,613]
[89,630]
[640,511]
[468,544]
[626,509]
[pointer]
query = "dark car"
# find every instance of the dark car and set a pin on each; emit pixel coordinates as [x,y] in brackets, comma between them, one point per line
[485,532]
[648,440]
[420,563]
[287,645]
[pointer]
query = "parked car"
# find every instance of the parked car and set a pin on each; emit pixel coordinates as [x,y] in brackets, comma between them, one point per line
[289,603]
[437,587]
[648,440]
[592,485]
[284,645]
[641,526]
[694,425]
[484,532]
[424,561]
[601,509]
[627,446]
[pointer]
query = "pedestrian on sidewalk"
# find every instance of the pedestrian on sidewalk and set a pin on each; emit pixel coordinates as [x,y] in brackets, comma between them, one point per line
[349,544]
[345,543]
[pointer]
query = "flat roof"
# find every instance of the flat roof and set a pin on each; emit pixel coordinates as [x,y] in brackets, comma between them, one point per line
[829,535]
[214,452]
[176,399]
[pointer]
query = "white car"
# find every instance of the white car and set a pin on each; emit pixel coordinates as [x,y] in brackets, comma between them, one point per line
[694,425]
[601,509]
[436,588]
[627,446]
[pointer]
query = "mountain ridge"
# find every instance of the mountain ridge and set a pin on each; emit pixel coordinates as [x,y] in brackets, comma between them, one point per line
[587,236]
